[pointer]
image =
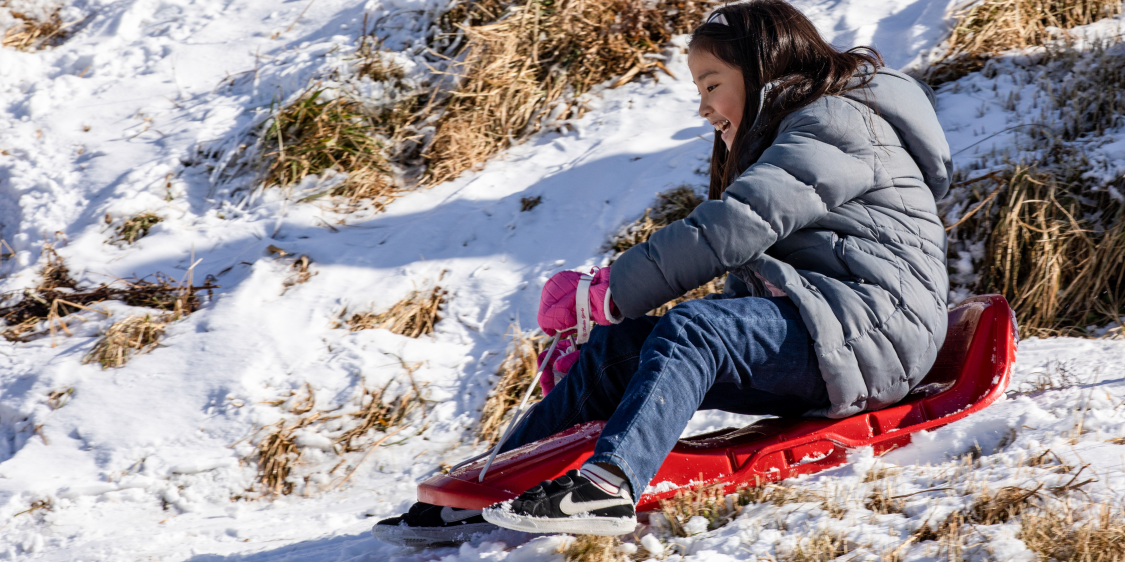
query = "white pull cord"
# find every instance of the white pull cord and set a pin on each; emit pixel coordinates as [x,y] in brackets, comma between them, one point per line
[585,324]
[516,416]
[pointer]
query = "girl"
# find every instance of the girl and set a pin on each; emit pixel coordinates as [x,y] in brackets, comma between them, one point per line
[824,176]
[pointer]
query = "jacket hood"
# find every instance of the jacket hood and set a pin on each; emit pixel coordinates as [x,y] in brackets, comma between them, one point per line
[910,107]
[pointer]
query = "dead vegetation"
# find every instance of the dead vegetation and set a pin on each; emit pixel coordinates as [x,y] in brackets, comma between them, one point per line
[1047,230]
[590,548]
[1056,376]
[515,374]
[413,316]
[277,452]
[58,296]
[822,546]
[1061,267]
[719,508]
[317,133]
[135,335]
[511,68]
[986,29]
[34,32]
[523,63]
[136,227]
[1062,535]
[671,206]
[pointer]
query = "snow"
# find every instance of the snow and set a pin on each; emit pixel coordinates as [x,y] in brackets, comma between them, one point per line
[144,109]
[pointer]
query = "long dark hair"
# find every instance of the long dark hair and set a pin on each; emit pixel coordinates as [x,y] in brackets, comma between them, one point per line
[771,41]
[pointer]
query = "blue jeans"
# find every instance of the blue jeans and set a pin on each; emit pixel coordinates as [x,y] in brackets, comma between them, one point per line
[648,376]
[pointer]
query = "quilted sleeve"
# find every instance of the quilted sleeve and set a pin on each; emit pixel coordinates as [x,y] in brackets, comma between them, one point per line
[823,157]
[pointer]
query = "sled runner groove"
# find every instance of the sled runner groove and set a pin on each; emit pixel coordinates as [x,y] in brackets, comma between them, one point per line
[971,371]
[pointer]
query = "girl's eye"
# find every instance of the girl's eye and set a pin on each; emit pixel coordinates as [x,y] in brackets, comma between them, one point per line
[709,88]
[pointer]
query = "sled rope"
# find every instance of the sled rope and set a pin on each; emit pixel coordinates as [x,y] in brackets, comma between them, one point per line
[584,326]
[516,416]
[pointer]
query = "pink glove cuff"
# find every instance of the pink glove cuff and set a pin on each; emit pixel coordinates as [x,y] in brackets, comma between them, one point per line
[557,365]
[602,307]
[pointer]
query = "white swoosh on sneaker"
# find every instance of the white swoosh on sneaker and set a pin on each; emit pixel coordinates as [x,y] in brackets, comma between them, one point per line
[568,506]
[450,516]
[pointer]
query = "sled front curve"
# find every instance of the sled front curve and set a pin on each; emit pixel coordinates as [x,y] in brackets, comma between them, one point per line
[972,370]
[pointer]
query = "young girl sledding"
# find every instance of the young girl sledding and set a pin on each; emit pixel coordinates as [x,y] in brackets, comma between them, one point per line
[824,176]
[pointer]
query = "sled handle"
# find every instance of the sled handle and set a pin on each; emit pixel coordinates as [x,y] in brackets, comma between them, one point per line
[519,410]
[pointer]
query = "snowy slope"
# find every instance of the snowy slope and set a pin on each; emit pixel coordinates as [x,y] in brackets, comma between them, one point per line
[143,462]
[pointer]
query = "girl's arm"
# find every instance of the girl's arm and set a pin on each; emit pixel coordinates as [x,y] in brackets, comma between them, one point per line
[823,157]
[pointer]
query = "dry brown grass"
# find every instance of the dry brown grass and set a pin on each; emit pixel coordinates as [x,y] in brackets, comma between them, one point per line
[58,398]
[277,453]
[720,508]
[713,286]
[413,316]
[823,546]
[671,206]
[1056,377]
[1059,535]
[57,296]
[515,374]
[520,59]
[1061,267]
[590,548]
[136,227]
[135,335]
[315,134]
[377,415]
[33,33]
[988,28]
[1052,232]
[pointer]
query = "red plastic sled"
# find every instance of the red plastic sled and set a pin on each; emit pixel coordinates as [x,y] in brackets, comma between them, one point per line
[972,370]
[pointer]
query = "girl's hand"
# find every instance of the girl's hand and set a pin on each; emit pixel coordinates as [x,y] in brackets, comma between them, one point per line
[557,365]
[557,308]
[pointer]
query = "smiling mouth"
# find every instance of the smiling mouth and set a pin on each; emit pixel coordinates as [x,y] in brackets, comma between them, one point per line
[722,126]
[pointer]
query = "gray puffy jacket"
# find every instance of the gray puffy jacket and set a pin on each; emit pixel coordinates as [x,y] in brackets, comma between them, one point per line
[840,213]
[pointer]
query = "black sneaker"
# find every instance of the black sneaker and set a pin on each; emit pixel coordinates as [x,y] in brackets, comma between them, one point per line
[568,504]
[430,525]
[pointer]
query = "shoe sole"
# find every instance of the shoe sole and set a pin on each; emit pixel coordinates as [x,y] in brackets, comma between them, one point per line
[577,525]
[429,536]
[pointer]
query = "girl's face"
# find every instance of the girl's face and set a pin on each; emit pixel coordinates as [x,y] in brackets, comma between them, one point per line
[722,92]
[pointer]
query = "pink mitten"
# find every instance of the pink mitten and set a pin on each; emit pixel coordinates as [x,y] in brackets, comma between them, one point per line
[557,303]
[558,365]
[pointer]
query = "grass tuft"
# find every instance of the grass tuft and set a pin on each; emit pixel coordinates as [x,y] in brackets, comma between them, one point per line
[671,206]
[986,29]
[34,33]
[515,374]
[315,134]
[413,316]
[590,548]
[1057,535]
[137,227]
[135,335]
[822,546]
[529,203]
[277,453]
[523,63]
[57,296]
[1047,228]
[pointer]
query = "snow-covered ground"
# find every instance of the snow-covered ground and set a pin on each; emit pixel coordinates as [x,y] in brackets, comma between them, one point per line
[146,462]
